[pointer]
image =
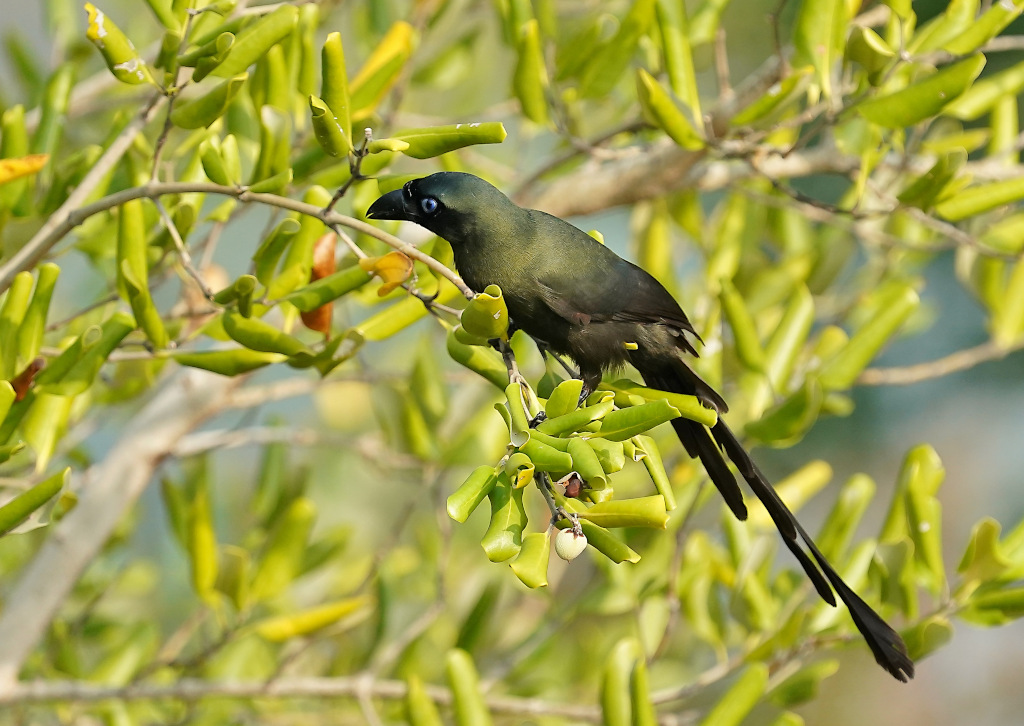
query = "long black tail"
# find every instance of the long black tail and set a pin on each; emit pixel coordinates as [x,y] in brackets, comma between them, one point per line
[708,445]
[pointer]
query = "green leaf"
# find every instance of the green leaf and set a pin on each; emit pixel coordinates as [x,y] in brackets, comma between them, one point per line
[607,64]
[804,685]
[419,709]
[329,133]
[577,419]
[258,335]
[984,558]
[981,198]
[930,186]
[688,406]
[255,40]
[486,315]
[625,423]
[531,566]
[841,370]
[787,422]
[648,451]
[334,84]
[120,55]
[564,399]
[426,143]
[204,110]
[19,509]
[985,93]
[202,541]
[328,289]
[381,70]
[482,361]
[468,703]
[675,40]
[547,458]
[616,700]
[530,78]
[661,110]
[748,346]
[504,536]
[227,362]
[639,512]
[281,559]
[279,628]
[988,26]
[740,699]
[819,38]
[928,636]
[586,463]
[922,99]
[776,98]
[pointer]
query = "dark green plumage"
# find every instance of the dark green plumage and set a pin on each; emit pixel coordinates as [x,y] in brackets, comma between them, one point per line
[580,299]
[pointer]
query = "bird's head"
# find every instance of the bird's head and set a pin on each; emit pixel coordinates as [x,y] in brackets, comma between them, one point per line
[454,205]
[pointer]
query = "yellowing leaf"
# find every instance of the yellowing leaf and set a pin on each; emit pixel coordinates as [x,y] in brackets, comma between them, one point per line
[381,69]
[393,269]
[11,169]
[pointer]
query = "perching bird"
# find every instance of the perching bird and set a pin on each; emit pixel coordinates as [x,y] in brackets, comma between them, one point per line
[580,299]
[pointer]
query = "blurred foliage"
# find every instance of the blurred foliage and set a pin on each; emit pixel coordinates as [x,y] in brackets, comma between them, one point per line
[894,140]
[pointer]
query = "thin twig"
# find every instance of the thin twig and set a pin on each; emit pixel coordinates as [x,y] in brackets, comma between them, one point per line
[179,244]
[29,255]
[191,690]
[60,224]
[960,361]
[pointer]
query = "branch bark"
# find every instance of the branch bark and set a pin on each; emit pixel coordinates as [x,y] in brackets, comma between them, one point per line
[189,689]
[107,492]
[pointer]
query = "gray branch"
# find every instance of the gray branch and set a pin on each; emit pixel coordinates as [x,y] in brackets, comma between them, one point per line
[107,492]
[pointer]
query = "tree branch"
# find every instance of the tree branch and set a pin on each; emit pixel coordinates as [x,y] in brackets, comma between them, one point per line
[110,489]
[190,689]
[960,361]
[65,219]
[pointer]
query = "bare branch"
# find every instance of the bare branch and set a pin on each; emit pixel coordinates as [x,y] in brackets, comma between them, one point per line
[108,492]
[960,361]
[67,218]
[284,688]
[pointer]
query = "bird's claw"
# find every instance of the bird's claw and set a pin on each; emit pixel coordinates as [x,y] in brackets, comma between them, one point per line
[540,418]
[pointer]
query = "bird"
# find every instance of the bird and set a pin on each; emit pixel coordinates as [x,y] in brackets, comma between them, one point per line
[578,298]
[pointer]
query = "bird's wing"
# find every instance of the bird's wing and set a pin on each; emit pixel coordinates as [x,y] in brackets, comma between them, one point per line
[623,293]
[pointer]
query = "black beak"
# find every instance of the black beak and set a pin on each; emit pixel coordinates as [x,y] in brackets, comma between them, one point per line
[392,206]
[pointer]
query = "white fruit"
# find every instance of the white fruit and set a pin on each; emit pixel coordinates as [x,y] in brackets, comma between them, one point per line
[569,545]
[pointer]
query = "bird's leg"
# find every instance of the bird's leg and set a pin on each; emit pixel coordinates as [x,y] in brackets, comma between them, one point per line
[545,349]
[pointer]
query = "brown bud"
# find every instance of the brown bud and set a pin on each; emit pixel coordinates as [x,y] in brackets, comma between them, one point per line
[323,265]
[23,381]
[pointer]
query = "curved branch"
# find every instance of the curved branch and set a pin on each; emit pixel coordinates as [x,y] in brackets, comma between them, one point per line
[962,360]
[664,167]
[64,221]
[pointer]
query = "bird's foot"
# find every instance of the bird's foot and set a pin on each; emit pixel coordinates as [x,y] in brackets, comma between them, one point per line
[540,418]
[584,395]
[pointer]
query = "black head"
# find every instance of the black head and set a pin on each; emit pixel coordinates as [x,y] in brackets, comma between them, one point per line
[451,204]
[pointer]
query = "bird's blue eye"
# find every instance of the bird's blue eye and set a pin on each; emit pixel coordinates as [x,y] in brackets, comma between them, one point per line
[429,205]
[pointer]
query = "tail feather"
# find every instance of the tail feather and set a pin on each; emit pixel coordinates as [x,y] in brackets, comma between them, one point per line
[708,445]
